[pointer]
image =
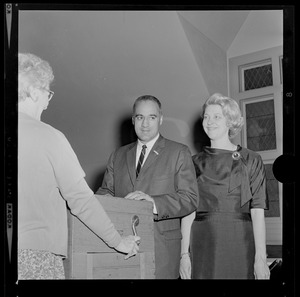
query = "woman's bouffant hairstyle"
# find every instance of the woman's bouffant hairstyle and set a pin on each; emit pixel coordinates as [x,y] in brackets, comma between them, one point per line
[231,112]
[32,71]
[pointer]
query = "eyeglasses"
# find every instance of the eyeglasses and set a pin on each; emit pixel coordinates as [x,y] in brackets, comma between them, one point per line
[50,95]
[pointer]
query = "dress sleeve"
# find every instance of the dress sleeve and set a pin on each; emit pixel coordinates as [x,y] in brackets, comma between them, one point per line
[258,184]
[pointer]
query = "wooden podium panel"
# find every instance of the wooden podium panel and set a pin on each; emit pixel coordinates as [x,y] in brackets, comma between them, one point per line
[90,258]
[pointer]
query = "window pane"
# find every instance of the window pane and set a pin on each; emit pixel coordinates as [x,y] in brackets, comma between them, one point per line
[258,77]
[260,126]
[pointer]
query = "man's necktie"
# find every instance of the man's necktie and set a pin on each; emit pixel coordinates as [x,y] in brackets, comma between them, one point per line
[141,159]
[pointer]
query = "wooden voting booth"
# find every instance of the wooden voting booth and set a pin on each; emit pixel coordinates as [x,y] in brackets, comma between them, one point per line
[90,258]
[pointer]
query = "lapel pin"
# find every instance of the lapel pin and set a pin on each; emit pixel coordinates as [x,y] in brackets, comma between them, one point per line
[236,156]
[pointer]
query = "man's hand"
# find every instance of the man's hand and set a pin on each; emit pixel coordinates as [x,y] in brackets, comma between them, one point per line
[129,245]
[138,195]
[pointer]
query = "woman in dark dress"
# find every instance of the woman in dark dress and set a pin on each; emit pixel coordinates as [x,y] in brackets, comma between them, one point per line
[226,236]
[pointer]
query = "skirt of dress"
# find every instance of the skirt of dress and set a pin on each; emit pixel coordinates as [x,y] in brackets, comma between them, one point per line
[222,246]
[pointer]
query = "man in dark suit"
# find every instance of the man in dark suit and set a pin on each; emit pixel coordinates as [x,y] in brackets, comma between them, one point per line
[164,175]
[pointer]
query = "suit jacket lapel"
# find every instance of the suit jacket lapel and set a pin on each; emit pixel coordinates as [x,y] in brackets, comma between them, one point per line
[131,157]
[154,153]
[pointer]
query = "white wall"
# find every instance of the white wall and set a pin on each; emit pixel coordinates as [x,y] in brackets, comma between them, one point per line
[261,37]
[262,29]
[104,60]
[211,59]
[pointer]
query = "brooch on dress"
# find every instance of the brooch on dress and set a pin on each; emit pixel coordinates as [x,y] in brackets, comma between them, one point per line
[236,156]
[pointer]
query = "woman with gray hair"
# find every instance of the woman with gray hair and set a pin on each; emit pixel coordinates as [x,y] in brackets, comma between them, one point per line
[49,176]
[226,237]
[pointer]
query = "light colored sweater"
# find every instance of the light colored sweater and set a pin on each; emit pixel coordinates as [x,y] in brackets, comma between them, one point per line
[49,176]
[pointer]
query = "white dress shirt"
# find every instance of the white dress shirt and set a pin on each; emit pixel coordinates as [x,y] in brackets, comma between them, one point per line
[148,149]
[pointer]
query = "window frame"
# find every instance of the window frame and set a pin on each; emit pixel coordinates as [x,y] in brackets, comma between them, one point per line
[244,67]
[273,224]
[268,154]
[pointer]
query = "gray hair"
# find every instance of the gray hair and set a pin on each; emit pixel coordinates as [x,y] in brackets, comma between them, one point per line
[146,98]
[32,71]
